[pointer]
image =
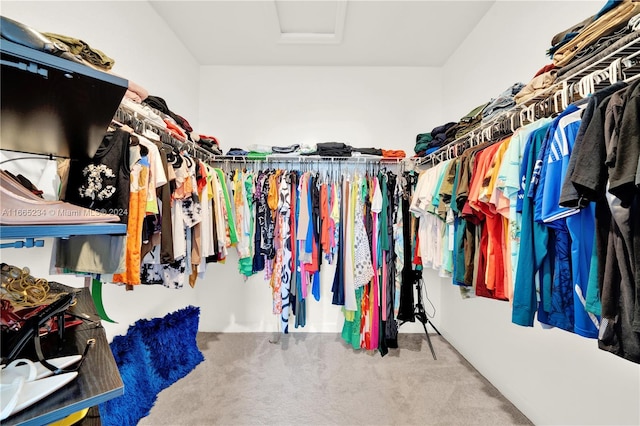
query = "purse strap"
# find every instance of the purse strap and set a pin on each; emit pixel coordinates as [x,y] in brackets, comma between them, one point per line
[31,330]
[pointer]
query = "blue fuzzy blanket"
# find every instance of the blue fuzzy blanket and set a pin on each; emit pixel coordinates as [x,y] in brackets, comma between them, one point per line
[151,357]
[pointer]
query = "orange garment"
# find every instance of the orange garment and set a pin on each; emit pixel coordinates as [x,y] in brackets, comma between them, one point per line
[490,280]
[494,277]
[196,245]
[137,211]
[174,129]
[483,160]
[184,184]
[393,153]
[214,139]
[493,172]
[272,196]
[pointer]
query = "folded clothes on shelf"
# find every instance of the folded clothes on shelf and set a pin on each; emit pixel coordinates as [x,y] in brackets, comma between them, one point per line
[367,151]
[393,153]
[266,149]
[20,206]
[285,149]
[237,151]
[334,149]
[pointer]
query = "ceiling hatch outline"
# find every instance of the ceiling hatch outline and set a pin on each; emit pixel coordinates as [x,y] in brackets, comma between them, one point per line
[310,37]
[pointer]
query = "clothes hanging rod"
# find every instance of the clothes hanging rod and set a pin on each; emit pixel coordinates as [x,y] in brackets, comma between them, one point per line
[541,102]
[306,159]
[182,144]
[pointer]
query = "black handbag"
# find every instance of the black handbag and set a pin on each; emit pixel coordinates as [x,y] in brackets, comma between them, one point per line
[25,331]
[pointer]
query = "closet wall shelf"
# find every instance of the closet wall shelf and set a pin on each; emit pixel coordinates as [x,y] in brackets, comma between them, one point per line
[306,159]
[98,380]
[621,64]
[31,232]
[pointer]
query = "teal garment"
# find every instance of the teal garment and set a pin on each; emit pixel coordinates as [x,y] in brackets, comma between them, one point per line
[435,199]
[351,329]
[420,147]
[232,227]
[245,265]
[594,304]
[459,227]
[383,236]
[422,142]
[533,259]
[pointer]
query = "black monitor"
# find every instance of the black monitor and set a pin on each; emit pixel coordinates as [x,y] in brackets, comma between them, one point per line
[54,106]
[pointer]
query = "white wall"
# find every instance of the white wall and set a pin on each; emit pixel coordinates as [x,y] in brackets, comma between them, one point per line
[147,52]
[507,46]
[362,106]
[553,376]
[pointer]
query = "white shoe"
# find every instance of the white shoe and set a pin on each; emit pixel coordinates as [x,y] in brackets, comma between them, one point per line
[23,383]
[9,393]
[34,370]
[33,392]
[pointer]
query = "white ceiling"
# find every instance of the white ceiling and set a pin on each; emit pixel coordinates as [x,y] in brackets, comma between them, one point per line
[325,32]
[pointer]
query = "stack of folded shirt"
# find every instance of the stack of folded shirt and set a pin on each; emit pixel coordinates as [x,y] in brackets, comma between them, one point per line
[426,143]
[333,149]
[502,103]
[209,143]
[536,86]
[306,148]
[259,152]
[614,16]
[422,143]
[175,119]
[439,135]
[255,155]
[78,47]
[466,123]
[237,152]
[603,47]
[136,93]
[265,149]
[393,153]
[367,151]
[288,150]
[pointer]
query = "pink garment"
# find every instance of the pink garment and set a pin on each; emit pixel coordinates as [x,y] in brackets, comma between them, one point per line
[375,319]
[138,90]
[133,96]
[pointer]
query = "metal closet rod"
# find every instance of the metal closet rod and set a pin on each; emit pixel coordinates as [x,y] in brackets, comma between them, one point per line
[618,65]
[182,144]
[307,159]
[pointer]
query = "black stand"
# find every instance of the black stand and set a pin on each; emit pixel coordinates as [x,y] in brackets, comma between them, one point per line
[421,315]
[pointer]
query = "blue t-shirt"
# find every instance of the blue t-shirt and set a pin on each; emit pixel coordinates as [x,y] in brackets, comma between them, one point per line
[557,162]
[539,172]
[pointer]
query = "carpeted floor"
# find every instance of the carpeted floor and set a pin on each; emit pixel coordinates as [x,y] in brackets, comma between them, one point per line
[315,379]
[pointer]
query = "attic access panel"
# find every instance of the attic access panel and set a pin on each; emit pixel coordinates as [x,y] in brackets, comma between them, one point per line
[51,105]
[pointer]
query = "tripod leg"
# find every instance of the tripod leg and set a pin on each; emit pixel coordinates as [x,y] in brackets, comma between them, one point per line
[434,327]
[424,325]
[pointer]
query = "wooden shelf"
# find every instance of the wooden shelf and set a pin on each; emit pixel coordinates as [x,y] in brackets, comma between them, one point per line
[61,231]
[98,379]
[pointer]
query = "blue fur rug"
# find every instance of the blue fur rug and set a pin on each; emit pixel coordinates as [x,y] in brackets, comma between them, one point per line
[152,356]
